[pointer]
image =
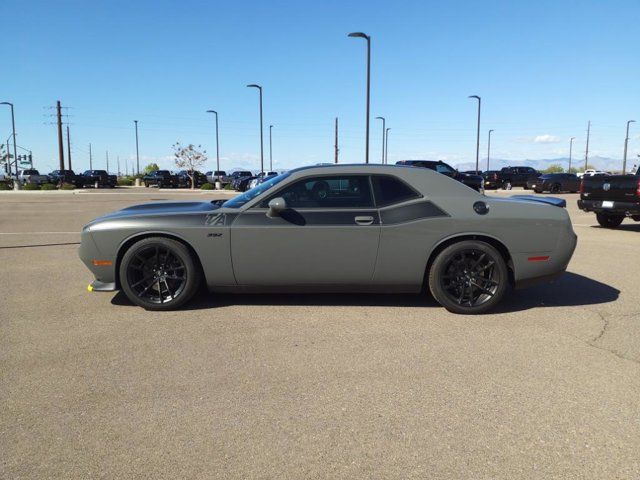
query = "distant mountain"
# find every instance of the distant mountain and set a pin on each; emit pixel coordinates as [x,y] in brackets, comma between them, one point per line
[602,163]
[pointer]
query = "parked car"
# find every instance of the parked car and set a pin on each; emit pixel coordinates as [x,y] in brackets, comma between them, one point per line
[339,228]
[241,184]
[239,174]
[32,175]
[184,179]
[590,172]
[66,176]
[491,181]
[612,198]
[217,176]
[509,177]
[161,179]
[99,179]
[555,183]
[470,180]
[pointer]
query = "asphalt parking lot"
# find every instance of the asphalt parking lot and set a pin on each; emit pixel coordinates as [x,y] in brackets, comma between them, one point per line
[311,386]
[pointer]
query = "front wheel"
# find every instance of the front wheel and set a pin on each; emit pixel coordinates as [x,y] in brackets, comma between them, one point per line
[555,188]
[609,221]
[468,277]
[159,273]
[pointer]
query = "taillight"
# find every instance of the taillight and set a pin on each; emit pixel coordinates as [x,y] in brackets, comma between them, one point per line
[582,186]
[638,189]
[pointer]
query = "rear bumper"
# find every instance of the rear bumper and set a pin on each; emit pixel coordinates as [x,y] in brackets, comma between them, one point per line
[619,208]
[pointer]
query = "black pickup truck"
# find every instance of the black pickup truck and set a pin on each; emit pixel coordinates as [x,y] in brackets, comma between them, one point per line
[161,179]
[98,179]
[473,181]
[66,176]
[184,179]
[509,177]
[611,197]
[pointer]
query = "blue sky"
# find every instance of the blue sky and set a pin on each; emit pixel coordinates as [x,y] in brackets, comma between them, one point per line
[543,69]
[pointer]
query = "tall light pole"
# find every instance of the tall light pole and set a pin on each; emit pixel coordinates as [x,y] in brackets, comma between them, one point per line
[489,149]
[386,145]
[253,85]
[570,152]
[270,150]
[15,151]
[384,122]
[217,142]
[626,142]
[90,159]
[478,135]
[586,151]
[368,39]
[137,150]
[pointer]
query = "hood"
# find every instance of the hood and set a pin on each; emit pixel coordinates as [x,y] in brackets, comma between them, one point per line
[162,208]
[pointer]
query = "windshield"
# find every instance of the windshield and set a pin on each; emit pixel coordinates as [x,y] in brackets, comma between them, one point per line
[249,195]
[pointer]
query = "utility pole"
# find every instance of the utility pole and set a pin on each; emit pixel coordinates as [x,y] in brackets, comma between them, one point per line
[570,152]
[270,150]
[107,162]
[586,152]
[60,144]
[118,165]
[489,149]
[478,134]
[386,145]
[336,149]
[90,159]
[626,142]
[384,123]
[137,151]
[368,39]
[69,147]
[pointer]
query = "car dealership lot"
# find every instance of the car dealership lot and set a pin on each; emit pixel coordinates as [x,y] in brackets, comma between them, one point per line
[320,386]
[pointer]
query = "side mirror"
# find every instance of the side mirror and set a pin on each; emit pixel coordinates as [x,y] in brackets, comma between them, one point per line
[276,207]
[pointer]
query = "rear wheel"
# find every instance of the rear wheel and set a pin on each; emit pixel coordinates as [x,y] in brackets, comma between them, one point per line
[609,221]
[468,277]
[555,188]
[159,273]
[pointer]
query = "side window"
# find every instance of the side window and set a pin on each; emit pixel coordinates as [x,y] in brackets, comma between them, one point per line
[389,190]
[441,168]
[348,191]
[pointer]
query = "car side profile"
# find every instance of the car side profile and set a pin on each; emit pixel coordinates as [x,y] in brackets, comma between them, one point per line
[555,183]
[344,228]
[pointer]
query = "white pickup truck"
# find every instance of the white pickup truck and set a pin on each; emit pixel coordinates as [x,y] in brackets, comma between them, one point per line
[590,172]
[32,175]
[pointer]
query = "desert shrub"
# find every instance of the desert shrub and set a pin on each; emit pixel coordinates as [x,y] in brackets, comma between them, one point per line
[68,186]
[47,186]
[5,186]
[125,182]
[207,186]
[31,186]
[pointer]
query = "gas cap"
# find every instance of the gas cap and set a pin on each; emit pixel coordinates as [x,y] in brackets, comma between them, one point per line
[481,208]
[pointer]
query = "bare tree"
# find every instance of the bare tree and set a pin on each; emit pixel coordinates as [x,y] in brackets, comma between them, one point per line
[190,159]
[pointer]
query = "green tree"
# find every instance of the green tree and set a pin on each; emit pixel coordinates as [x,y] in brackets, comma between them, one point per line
[553,169]
[152,167]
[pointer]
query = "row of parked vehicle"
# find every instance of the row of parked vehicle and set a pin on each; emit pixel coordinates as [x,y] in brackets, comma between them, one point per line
[89,178]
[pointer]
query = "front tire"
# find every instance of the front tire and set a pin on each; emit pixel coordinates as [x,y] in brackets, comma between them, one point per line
[609,221]
[468,277]
[555,188]
[159,273]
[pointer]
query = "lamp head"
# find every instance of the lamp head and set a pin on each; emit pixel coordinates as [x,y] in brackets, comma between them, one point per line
[359,35]
[474,96]
[253,85]
[380,118]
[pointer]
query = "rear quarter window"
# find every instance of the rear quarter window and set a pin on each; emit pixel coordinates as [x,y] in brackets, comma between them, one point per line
[390,190]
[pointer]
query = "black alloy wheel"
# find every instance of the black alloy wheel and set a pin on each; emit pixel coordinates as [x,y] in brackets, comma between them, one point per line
[159,273]
[609,221]
[468,277]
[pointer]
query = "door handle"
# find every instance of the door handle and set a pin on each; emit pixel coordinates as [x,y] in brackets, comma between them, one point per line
[364,220]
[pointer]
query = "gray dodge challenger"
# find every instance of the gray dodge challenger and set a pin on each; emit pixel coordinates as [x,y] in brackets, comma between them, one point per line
[335,228]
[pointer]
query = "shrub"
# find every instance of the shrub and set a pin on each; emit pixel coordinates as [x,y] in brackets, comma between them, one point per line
[47,186]
[228,187]
[31,186]
[125,182]
[68,186]
[207,186]
[5,186]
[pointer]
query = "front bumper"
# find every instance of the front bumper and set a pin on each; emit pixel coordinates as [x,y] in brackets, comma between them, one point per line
[98,286]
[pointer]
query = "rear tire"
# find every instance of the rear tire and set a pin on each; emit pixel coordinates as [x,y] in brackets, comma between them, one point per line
[159,273]
[469,277]
[609,221]
[555,188]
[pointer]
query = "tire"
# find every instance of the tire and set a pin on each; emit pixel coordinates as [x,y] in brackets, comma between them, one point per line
[146,185]
[609,221]
[537,191]
[555,188]
[159,273]
[462,272]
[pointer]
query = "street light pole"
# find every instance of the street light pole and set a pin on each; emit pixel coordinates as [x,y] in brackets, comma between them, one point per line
[368,39]
[386,145]
[570,151]
[270,150]
[217,141]
[384,122]
[489,149]
[478,134]
[253,85]
[586,151]
[137,149]
[15,151]
[626,142]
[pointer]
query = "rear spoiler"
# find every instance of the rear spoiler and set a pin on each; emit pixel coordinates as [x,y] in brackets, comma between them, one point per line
[557,202]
